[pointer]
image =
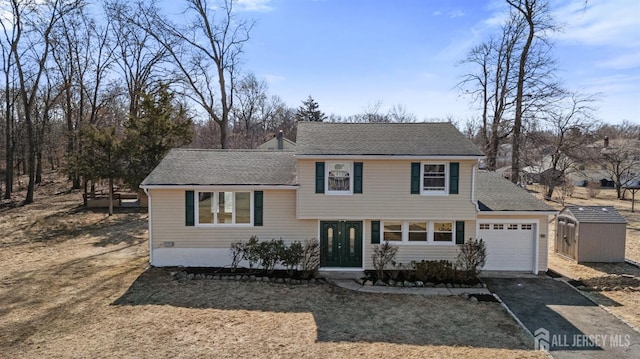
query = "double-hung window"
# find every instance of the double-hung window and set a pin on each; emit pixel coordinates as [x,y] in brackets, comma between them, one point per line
[434,178]
[443,232]
[224,208]
[339,177]
[416,232]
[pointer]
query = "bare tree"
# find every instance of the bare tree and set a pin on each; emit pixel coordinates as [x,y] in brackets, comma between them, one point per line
[34,22]
[493,85]
[621,160]
[206,52]
[569,126]
[9,98]
[400,113]
[536,13]
[139,58]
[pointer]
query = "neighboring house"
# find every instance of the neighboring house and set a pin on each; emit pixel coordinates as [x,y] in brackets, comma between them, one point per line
[593,166]
[352,186]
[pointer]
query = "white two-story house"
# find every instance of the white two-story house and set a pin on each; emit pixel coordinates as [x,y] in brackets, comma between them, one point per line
[351,186]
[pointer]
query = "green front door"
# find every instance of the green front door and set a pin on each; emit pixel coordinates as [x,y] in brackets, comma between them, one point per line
[341,244]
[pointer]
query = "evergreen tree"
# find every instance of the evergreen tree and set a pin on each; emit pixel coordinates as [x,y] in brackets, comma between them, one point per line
[104,158]
[309,111]
[160,126]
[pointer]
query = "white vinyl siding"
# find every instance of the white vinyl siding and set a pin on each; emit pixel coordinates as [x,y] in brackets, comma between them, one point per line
[168,220]
[386,194]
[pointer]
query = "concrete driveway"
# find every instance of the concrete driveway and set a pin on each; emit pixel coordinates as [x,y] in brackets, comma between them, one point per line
[563,320]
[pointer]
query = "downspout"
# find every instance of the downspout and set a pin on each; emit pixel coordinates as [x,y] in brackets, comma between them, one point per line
[146,191]
[474,200]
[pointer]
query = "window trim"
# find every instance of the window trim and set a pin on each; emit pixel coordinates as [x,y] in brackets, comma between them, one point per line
[215,200]
[442,192]
[430,233]
[328,165]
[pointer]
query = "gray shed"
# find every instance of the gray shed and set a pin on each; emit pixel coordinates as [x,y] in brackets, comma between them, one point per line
[591,234]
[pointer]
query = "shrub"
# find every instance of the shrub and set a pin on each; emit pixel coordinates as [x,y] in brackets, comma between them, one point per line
[291,256]
[250,252]
[593,189]
[383,255]
[269,253]
[434,271]
[310,260]
[472,255]
[236,254]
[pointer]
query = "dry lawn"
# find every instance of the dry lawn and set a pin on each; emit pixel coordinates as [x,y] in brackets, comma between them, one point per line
[612,277]
[74,283]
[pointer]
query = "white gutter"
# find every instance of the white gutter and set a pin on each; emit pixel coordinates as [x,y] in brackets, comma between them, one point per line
[518,213]
[146,191]
[214,187]
[390,157]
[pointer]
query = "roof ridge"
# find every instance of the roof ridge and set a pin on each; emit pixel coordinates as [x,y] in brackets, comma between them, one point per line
[230,150]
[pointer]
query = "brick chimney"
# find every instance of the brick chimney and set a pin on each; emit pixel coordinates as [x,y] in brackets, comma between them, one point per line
[280,140]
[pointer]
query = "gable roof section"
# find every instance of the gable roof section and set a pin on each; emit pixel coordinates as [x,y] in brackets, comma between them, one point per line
[496,193]
[224,167]
[595,214]
[383,139]
[272,144]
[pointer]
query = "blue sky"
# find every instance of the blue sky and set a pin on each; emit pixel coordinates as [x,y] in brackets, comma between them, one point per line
[350,54]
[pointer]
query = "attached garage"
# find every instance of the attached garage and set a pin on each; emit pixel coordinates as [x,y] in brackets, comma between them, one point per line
[510,246]
[513,224]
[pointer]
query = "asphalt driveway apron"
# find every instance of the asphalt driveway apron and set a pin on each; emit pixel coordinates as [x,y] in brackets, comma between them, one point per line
[564,321]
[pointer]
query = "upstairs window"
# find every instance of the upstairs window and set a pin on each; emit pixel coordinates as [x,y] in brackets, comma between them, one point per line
[339,177]
[434,178]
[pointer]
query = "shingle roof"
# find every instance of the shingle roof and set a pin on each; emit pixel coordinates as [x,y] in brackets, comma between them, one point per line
[595,214]
[495,193]
[408,139]
[224,167]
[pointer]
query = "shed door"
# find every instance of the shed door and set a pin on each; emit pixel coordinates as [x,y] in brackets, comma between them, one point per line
[566,243]
[510,246]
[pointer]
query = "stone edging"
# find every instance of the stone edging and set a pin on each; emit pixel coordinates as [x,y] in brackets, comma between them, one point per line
[184,276]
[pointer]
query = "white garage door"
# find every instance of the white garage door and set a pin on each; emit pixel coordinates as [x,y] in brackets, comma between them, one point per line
[510,246]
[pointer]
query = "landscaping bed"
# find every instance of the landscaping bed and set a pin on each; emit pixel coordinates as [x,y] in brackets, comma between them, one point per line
[412,278]
[245,274]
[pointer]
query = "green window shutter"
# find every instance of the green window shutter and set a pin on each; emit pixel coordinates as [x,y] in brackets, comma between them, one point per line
[415,177]
[375,232]
[189,208]
[459,232]
[357,177]
[319,177]
[258,208]
[454,177]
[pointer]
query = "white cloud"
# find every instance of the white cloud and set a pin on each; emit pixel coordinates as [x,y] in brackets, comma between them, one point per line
[254,5]
[600,23]
[625,61]
[273,79]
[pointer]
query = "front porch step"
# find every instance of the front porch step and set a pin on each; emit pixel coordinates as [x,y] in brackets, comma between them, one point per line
[341,275]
